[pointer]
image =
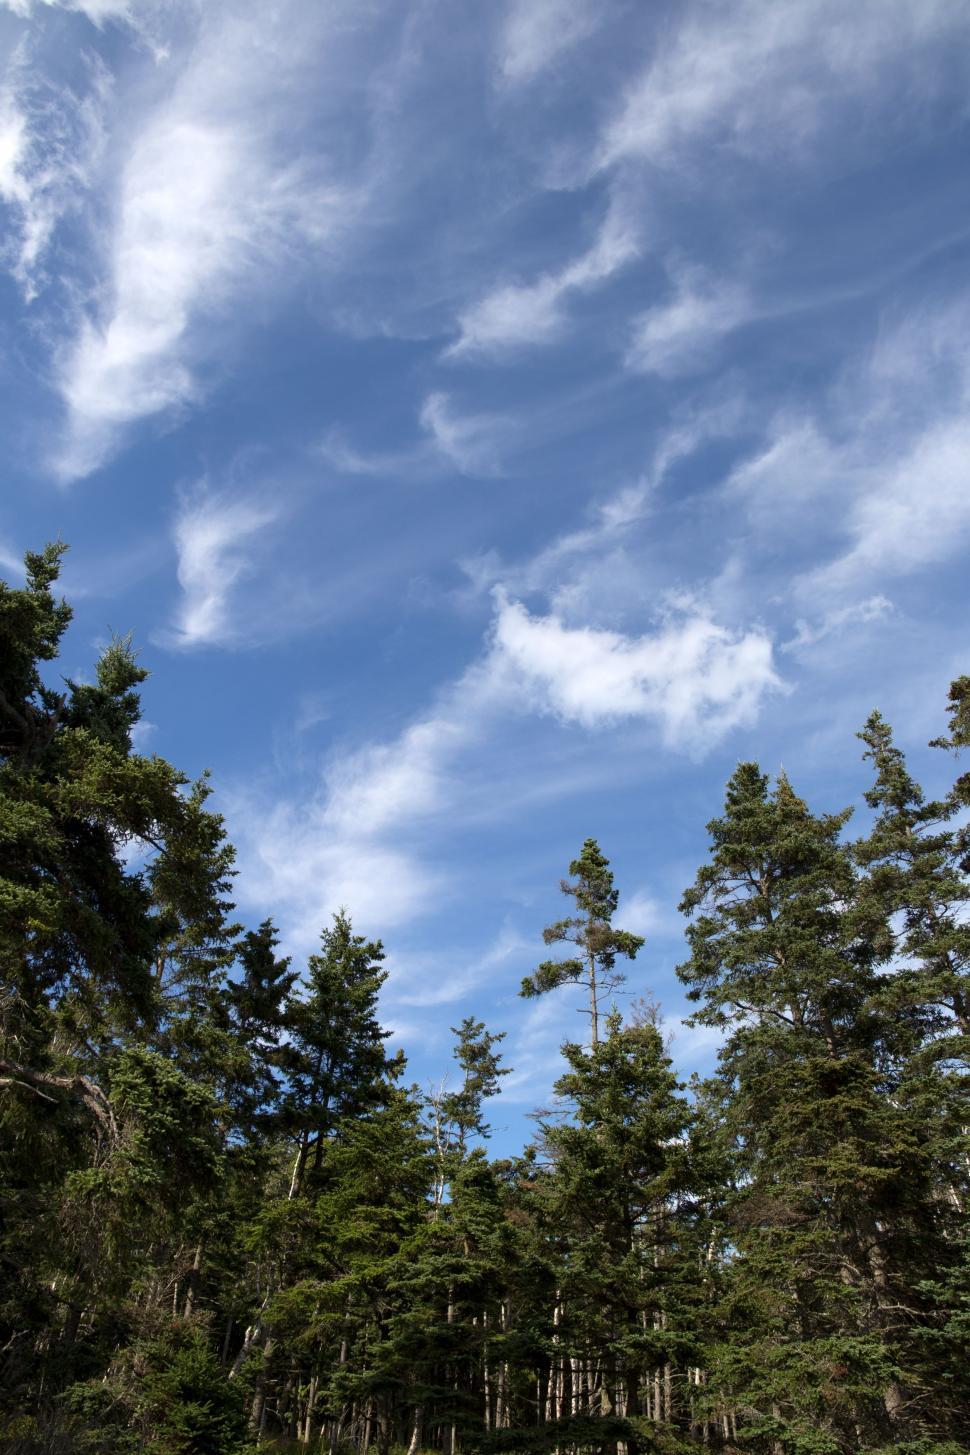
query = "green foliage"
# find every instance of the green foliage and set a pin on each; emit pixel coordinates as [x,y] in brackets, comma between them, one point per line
[165,1396]
[591,931]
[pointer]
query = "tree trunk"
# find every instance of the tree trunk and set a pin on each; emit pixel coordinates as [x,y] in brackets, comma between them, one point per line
[193,1280]
[416,1430]
[311,1400]
[257,1413]
[299,1167]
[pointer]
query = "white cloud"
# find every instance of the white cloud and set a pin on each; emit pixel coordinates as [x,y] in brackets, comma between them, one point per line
[682,334]
[178,234]
[50,144]
[10,561]
[447,975]
[209,535]
[536,32]
[383,785]
[188,226]
[208,202]
[691,1045]
[765,77]
[880,478]
[469,442]
[292,865]
[351,842]
[97,11]
[795,467]
[695,679]
[909,512]
[515,316]
[838,621]
[339,453]
[642,914]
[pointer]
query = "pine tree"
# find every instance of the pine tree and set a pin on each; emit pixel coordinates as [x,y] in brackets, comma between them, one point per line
[592,932]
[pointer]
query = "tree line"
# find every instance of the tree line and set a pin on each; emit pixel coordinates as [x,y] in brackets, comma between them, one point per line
[228,1219]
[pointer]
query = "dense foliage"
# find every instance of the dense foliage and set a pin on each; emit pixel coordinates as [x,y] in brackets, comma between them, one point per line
[228,1219]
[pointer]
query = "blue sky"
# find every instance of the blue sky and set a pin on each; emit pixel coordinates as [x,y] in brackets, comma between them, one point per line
[494,422]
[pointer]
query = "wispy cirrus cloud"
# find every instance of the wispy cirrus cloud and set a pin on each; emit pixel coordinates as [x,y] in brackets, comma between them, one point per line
[351,843]
[51,138]
[535,33]
[209,201]
[472,443]
[584,566]
[877,478]
[682,334]
[836,622]
[97,11]
[766,79]
[214,537]
[516,316]
[444,976]
[907,512]
[10,561]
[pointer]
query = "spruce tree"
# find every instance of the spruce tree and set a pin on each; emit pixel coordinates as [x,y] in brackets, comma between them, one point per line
[456,1116]
[104,1143]
[593,934]
[622,1201]
[335,1060]
[833,1183]
[257,1008]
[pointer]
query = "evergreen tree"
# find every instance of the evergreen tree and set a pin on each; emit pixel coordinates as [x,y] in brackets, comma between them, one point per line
[622,1202]
[78,941]
[834,1194]
[336,1062]
[593,934]
[190,880]
[912,857]
[257,1008]
[456,1116]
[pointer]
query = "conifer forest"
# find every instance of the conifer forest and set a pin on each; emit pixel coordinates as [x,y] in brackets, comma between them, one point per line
[229,1220]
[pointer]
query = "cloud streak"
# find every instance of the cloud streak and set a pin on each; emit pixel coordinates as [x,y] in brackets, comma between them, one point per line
[760,78]
[97,11]
[207,203]
[469,442]
[536,33]
[51,140]
[877,478]
[683,334]
[212,534]
[517,316]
